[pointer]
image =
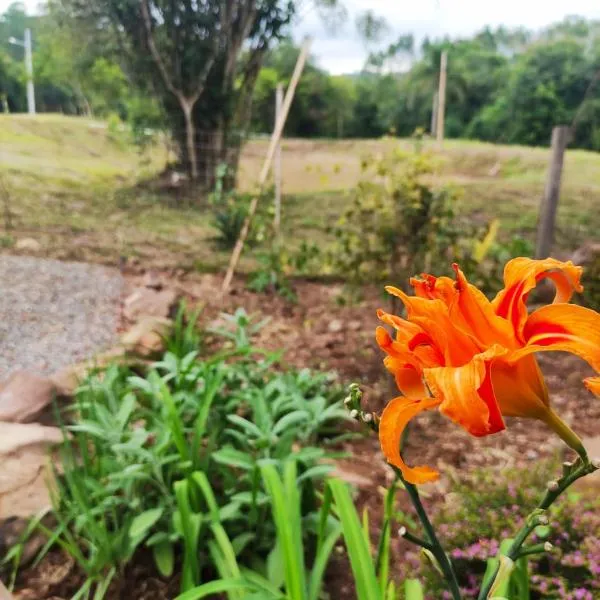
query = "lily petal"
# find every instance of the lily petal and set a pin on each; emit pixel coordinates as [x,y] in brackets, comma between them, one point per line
[520,388]
[474,313]
[521,275]
[563,327]
[432,288]
[432,316]
[394,419]
[593,384]
[409,378]
[467,395]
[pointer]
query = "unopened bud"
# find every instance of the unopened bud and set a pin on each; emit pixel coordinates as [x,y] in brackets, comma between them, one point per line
[596,462]
[553,486]
[548,547]
[354,413]
[347,400]
[367,417]
[402,531]
[543,520]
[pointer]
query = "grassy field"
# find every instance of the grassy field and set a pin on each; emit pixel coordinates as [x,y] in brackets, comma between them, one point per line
[74,185]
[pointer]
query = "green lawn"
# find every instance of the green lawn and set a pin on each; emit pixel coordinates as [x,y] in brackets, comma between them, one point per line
[78,188]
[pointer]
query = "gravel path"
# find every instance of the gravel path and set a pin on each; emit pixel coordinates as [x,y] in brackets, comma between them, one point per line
[54,313]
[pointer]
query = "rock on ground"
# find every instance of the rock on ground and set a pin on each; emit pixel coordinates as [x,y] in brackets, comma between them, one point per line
[54,313]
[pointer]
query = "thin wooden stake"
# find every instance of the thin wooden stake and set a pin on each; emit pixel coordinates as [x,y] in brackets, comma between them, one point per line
[441,106]
[287,102]
[549,204]
[277,163]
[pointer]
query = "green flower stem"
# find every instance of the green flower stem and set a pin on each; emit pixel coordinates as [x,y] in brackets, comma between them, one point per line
[407,535]
[565,433]
[580,469]
[436,548]
[535,549]
[353,404]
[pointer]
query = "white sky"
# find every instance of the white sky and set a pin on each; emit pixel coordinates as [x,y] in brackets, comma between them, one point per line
[344,52]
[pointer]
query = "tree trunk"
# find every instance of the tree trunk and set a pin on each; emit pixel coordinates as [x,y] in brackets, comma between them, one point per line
[190,136]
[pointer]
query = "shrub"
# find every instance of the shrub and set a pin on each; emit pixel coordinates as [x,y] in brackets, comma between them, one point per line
[398,223]
[487,506]
[230,211]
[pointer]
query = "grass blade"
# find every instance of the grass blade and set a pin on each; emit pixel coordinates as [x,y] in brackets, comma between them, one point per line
[367,586]
[222,586]
[286,514]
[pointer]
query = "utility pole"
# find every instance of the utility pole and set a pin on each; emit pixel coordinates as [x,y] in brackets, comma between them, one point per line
[441,106]
[26,43]
[277,160]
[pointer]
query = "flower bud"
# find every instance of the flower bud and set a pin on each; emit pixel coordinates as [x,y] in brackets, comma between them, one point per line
[402,531]
[596,462]
[548,547]
[347,400]
[354,413]
[553,486]
[367,417]
[542,520]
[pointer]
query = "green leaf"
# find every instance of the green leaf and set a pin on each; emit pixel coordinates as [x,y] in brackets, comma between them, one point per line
[143,522]
[324,551]
[248,426]
[233,458]
[214,587]
[316,472]
[413,590]
[241,541]
[164,558]
[290,420]
[285,502]
[275,566]
[367,586]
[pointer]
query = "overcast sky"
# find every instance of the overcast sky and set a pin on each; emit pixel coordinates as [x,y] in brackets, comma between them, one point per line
[343,52]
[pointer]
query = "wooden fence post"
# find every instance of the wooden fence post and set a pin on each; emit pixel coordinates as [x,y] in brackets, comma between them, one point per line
[549,204]
[441,103]
[262,178]
[277,161]
[434,108]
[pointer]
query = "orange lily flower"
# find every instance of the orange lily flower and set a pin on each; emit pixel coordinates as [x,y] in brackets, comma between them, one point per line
[474,359]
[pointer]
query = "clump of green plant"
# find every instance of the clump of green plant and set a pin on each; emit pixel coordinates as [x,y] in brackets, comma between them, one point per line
[277,265]
[137,444]
[230,211]
[292,573]
[487,505]
[399,223]
[273,274]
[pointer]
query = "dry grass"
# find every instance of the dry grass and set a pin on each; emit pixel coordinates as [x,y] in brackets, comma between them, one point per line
[73,186]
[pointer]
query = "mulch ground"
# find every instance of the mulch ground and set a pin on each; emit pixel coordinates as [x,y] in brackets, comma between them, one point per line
[320,332]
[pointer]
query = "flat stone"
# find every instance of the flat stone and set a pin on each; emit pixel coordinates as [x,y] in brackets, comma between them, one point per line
[28,244]
[24,395]
[147,302]
[146,337]
[25,468]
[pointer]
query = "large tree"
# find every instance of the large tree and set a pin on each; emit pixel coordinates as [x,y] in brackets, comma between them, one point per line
[200,58]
